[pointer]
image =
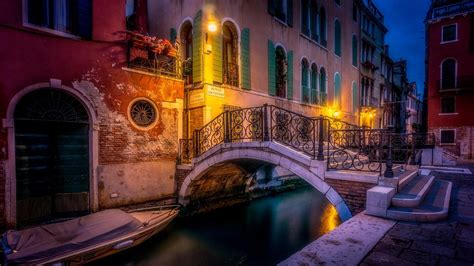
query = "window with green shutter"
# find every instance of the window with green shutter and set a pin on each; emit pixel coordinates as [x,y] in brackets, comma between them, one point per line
[314,84]
[337,90]
[322,86]
[355,96]
[354,50]
[197,47]
[322,26]
[305,90]
[337,37]
[245,58]
[271,69]
[173,35]
[217,56]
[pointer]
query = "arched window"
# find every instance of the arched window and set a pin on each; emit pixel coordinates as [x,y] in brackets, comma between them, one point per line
[337,90]
[337,37]
[355,96]
[186,37]
[305,17]
[448,74]
[354,51]
[229,54]
[322,26]
[281,72]
[305,90]
[314,84]
[313,20]
[322,86]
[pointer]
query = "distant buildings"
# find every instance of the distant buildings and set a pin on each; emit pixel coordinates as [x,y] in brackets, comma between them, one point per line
[450,75]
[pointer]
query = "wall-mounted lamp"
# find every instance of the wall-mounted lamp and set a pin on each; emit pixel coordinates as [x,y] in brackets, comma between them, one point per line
[336,114]
[211,27]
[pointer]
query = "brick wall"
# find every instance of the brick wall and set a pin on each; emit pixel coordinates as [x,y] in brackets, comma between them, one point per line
[180,175]
[353,193]
[196,118]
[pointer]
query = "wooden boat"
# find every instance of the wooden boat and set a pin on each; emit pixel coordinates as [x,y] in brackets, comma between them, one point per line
[85,239]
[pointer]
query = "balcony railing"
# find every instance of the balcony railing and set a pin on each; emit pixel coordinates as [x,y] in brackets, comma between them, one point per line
[231,74]
[149,54]
[453,9]
[188,72]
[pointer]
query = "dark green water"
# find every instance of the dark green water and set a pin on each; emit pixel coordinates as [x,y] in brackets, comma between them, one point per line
[262,232]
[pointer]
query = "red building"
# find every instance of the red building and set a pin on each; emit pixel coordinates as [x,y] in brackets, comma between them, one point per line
[450,75]
[85,121]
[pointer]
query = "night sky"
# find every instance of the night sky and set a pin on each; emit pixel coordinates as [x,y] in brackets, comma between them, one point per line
[406,38]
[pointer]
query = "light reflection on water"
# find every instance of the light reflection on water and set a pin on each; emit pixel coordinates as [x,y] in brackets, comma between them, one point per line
[262,232]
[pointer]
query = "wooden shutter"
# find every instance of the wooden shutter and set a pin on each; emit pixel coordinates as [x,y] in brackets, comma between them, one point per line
[290,76]
[173,35]
[355,96]
[289,14]
[271,69]
[245,58]
[197,47]
[84,18]
[217,56]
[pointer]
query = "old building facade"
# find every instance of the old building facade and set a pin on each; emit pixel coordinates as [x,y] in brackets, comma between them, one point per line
[81,131]
[301,55]
[449,75]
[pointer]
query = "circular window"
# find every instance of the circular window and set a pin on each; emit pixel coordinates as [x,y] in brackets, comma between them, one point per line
[142,113]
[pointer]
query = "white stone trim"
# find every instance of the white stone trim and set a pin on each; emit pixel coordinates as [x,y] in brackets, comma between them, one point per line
[273,155]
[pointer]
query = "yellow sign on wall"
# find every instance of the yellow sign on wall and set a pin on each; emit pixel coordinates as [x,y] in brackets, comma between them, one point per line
[215,91]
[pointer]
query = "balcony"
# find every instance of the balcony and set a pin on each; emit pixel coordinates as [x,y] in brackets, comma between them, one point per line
[450,10]
[231,74]
[152,55]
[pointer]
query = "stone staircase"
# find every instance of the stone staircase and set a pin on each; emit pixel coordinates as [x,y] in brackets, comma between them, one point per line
[416,196]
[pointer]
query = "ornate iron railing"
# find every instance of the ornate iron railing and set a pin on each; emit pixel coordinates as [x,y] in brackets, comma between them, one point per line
[355,149]
[349,147]
[294,130]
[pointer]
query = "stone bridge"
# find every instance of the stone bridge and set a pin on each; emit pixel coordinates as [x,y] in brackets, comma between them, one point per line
[224,155]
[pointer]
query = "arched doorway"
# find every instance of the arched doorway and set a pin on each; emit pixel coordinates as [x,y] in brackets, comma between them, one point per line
[52,156]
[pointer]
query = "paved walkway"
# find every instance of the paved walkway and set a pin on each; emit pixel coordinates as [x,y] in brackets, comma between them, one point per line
[449,242]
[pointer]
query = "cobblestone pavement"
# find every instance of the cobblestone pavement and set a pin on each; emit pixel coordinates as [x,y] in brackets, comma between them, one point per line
[450,242]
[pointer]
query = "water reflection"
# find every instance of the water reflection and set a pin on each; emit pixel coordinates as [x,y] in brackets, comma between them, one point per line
[263,232]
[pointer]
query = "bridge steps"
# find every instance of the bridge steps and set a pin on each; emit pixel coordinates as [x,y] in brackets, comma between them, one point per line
[419,198]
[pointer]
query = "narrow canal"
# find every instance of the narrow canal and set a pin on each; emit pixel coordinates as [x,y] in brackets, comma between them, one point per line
[262,232]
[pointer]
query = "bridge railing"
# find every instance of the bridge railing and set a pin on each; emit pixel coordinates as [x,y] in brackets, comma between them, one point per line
[349,146]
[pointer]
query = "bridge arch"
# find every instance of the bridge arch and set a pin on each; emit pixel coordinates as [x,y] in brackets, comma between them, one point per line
[268,152]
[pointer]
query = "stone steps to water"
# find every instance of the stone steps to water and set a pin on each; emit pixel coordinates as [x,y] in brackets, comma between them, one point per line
[406,177]
[434,207]
[414,192]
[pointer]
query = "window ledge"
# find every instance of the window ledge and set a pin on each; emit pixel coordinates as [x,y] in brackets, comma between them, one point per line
[447,144]
[448,41]
[280,21]
[51,31]
[313,41]
[448,113]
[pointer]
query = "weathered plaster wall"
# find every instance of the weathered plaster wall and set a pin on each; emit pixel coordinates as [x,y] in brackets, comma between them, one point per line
[95,69]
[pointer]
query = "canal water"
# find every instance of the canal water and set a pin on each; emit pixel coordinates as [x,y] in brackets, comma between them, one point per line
[262,232]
